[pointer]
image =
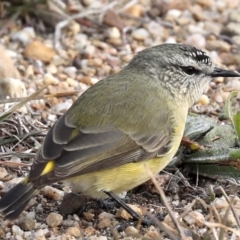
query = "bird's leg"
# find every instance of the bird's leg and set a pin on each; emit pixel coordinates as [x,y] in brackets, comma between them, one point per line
[135,215]
[108,203]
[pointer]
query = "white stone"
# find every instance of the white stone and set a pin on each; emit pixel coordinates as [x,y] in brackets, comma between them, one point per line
[140,34]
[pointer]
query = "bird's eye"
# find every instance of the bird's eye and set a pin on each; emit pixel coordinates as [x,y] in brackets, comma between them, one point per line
[190,70]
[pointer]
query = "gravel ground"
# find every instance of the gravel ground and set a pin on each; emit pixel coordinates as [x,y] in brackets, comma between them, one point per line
[71,56]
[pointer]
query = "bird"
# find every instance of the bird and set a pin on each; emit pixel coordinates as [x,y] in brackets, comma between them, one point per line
[125,123]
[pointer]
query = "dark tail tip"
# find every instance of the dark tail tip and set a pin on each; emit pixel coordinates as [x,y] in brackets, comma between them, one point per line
[15,201]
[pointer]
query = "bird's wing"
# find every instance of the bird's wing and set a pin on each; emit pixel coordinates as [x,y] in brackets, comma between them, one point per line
[79,151]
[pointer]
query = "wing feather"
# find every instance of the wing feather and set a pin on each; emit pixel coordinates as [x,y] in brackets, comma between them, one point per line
[77,151]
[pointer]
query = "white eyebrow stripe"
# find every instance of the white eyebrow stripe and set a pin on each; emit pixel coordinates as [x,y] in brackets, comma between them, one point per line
[199,55]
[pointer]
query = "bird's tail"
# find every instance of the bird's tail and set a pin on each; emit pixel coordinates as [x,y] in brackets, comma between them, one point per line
[14,201]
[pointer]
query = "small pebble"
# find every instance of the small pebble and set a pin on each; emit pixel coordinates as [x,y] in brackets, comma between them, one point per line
[220,203]
[229,218]
[194,218]
[89,51]
[8,235]
[4,175]
[40,234]
[86,3]
[76,217]
[234,16]
[219,80]
[71,82]
[193,29]
[101,238]
[88,215]
[54,219]
[204,100]
[67,223]
[94,80]
[206,3]
[31,215]
[95,62]
[106,215]
[39,209]
[27,235]
[70,71]
[74,27]
[74,231]
[196,40]
[16,230]
[104,223]
[11,54]
[12,87]
[212,27]
[140,34]
[131,231]
[52,117]
[27,224]
[122,213]
[168,219]
[236,39]
[81,40]
[86,80]
[152,233]
[63,106]
[175,203]
[234,84]
[218,45]
[53,193]
[18,237]
[173,14]
[52,69]
[217,97]
[50,79]
[89,231]
[25,35]
[135,10]
[37,50]
[114,33]
[231,29]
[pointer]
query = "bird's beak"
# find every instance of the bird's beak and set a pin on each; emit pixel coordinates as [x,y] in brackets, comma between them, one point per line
[218,72]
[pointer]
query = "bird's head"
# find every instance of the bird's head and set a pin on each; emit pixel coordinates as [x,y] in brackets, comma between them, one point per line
[181,69]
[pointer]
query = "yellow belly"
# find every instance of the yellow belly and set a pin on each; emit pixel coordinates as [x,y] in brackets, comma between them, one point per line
[120,179]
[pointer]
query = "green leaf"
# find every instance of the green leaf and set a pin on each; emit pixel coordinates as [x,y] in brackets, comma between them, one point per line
[236,123]
[215,171]
[227,108]
[197,126]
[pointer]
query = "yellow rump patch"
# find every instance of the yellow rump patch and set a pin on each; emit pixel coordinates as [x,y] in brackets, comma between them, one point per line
[49,167]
